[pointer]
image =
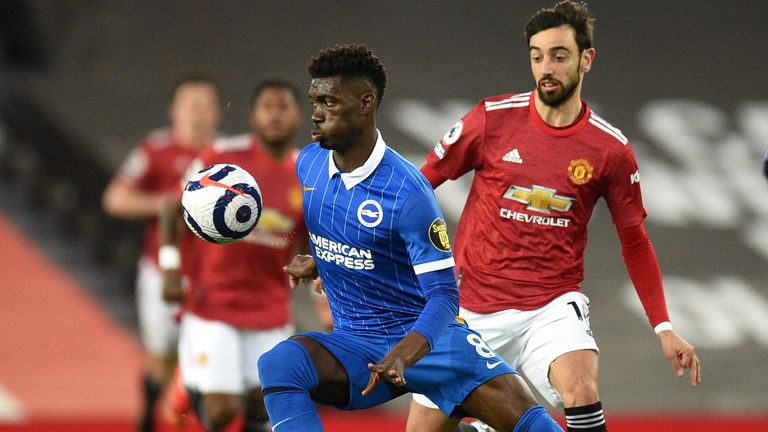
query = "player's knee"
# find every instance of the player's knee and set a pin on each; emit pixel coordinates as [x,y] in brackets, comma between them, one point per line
[579,391]
[221,409]
[287,365]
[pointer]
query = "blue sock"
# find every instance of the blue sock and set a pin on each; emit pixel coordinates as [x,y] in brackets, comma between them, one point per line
[537,419]
[292,411]
[287,375]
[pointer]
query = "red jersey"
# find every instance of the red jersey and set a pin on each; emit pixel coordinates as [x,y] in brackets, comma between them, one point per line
[243,283]
[157,165]
[521,237]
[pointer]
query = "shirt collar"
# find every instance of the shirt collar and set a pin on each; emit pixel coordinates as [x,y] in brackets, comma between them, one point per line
[351,179]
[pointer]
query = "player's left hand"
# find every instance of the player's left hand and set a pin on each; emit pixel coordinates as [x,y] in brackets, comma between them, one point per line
[681,354]
[402,356]
[317,286]
[387,369]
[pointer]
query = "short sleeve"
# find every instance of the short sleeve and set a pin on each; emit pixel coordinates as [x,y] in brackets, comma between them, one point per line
[425,233]
[623,194]
[460,149]
[136,169]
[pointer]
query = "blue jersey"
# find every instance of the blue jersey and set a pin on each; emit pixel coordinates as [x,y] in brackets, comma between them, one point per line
[372,231]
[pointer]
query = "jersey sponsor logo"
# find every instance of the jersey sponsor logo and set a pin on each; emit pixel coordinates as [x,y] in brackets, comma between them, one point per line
[454,133]
[274,230]
[580,171]
[308,189]
[369,213]
[539,198]
[533,219]
[438,235]
[513,156]
[342,254]
[634,177]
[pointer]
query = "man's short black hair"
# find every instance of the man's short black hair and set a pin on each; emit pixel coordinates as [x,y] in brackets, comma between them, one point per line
[350,61]
[195,78]
[274,83]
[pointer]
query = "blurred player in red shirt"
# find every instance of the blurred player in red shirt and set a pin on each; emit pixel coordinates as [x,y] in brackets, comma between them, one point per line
[239,306]
[542,160]
[148,178]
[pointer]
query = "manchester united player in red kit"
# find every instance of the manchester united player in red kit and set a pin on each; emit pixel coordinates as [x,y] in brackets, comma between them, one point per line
[542,160]
[239,306]
[147,179]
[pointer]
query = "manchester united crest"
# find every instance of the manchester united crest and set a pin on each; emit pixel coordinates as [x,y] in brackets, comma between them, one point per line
[580,171]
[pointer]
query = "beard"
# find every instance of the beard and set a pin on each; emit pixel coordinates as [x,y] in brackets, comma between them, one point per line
[565,91]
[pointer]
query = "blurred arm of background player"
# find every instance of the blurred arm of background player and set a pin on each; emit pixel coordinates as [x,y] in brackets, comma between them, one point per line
[169,230]
[123,200]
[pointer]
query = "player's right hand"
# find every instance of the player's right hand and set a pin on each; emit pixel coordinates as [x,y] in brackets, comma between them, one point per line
[173,289]
[302,268]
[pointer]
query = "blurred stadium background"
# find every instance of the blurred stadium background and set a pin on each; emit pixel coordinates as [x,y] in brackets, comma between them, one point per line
[81,82]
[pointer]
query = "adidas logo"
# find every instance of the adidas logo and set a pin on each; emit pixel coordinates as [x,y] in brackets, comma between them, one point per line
[513,156]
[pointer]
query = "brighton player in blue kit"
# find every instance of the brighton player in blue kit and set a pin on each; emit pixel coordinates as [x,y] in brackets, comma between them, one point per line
[381,247]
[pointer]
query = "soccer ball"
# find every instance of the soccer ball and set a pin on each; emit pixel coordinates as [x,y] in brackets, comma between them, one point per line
[221,203]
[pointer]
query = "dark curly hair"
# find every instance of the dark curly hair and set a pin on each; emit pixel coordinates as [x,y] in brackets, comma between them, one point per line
[350,62]
[566,12]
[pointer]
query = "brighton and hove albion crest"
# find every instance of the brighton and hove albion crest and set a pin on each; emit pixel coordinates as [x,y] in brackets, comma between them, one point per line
[580,171]
[370,213]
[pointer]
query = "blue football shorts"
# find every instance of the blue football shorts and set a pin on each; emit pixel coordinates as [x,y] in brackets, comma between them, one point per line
[459,362]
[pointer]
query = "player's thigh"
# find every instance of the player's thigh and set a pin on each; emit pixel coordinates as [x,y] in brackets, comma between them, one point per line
[574,375]
[210,356]
[333,380]
[424,416]
[561,327]
[501,401]
[256,343]
[157,319]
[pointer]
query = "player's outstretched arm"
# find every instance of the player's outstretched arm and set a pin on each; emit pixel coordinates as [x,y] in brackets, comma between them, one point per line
[302,268]
[643,268]
[169,257]
[681,354]
[124,201]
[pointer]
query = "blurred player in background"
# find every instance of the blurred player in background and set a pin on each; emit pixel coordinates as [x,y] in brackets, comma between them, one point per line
[148,178]
[239,306]
[382,249]
[542,160]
